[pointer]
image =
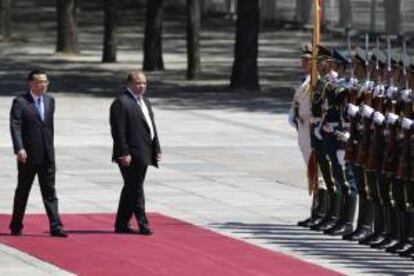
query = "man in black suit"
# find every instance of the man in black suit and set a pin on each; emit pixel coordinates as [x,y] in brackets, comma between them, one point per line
[32,131]
[135,147]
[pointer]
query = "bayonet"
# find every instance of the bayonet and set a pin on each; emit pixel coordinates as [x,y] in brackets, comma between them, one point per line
[367,55]
[389,69]
[377,54]
[404,60]
[350,53]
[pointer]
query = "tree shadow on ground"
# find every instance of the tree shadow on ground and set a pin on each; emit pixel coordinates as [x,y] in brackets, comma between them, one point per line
[305,242]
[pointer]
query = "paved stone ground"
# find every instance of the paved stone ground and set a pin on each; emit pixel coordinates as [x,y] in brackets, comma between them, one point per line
[231,163]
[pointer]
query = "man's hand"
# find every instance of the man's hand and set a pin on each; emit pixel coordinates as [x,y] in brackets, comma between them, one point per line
[125,160]
[159,157]
[22,156]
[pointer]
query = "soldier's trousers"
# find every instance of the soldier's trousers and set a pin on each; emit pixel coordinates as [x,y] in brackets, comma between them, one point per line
[366,207]
[335,151]
[323,162]
[391,214]
[373,193]
[405,217]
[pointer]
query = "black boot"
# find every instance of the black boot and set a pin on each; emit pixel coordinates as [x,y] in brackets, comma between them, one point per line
[365,219]
[379,226]
[329,199]
[336,212]
[409,229]
[407,253]
[391,237]
[318,209]
[347,217]
[399,228]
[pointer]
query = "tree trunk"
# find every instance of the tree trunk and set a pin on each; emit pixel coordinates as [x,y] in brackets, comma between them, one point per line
[5,19]
[392,9]
[345,14]
[153,33]
[303,12]
[110,32]
[67,29]
[245,73]
[193,45]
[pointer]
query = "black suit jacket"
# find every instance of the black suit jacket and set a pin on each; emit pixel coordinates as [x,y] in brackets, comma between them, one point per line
[131,133]
[29,132]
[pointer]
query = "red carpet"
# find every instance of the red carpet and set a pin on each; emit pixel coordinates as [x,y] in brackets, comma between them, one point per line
[176,248]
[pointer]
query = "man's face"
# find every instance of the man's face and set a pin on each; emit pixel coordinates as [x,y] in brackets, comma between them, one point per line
[38,84]
[323,66]
[138,84]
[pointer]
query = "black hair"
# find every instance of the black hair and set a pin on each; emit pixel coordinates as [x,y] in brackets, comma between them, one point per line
[36,71]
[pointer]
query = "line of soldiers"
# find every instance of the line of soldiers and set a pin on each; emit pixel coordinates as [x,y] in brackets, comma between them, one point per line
[362,136]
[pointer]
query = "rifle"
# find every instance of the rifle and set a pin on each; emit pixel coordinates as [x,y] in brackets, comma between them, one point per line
[352,144]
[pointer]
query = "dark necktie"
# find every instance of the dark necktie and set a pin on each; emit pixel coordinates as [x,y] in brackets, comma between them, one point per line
[40,108]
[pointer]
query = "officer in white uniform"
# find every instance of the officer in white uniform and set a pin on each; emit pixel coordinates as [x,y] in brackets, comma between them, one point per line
[299,117]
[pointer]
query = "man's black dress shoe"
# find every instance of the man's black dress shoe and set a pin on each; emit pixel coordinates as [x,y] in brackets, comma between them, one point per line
[15,232]
[145,230]
[126,230]
[60,233]
[305,223]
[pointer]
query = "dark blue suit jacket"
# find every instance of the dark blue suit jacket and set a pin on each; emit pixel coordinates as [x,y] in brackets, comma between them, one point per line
[29,132]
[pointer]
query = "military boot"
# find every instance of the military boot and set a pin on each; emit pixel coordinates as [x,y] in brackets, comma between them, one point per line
[409,223]
[347,217]
[400,227]
[379,227]
[318,209]
[365,219]
[333,215]
[390,237]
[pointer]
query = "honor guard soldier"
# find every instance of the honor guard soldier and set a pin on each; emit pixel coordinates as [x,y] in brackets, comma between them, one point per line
[299,117]
[336,135]
[365,214]
[325,65]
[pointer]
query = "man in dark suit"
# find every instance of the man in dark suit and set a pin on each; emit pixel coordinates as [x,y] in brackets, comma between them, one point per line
[135,147]
[32,131]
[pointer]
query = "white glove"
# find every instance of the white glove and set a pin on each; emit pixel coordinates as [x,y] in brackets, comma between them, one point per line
[379,90]
[391,118]
[391,91]
[379,118]
[406,123]
[367,111]
[351,83]
[406,95]
[367,87]
[343,136]
[352,110]
[332,77]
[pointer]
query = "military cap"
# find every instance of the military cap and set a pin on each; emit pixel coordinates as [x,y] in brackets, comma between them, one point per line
[380,56]
[394,58]
[342,57]
[324,52]
[407,61]
[360,55]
